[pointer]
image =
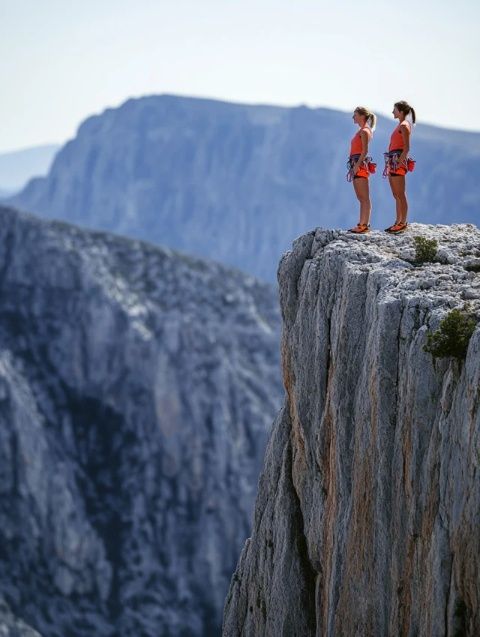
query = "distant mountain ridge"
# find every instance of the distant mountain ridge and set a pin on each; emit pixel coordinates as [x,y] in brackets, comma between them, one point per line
[17,167]
[237,182]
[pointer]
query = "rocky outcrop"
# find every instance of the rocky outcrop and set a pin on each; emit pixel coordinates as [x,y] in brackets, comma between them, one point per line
[137,388]
[235,182]
[367,519]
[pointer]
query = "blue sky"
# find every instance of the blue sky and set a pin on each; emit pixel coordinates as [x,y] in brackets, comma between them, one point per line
[62,61]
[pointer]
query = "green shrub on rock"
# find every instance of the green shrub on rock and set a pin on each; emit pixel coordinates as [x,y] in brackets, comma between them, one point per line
[425,249]
[472,267]
[452,336]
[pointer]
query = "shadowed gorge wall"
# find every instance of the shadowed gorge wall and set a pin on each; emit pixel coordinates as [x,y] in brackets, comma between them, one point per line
[137,389]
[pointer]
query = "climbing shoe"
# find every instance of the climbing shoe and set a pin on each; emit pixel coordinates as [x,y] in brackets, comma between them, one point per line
[398,228]
[360,228]
[392,226]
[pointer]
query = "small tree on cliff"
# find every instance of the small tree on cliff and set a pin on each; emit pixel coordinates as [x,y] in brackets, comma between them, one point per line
[452,336]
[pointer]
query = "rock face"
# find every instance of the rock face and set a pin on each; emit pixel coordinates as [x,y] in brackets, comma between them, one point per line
[137,389]
[11,626]
[235,182]
[367,519]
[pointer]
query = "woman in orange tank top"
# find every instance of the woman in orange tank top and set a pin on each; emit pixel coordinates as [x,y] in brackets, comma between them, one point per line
[359,165]
[396,164]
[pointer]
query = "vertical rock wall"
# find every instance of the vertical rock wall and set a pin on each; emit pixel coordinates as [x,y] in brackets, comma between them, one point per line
[368,511]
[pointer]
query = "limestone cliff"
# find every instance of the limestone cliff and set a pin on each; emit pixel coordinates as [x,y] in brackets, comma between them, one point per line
[137,389]
[367,518]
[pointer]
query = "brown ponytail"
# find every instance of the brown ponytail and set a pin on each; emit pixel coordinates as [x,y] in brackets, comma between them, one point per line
[404,107]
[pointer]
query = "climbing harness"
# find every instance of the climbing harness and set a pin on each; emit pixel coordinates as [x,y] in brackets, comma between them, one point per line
[392,164]
[367,165]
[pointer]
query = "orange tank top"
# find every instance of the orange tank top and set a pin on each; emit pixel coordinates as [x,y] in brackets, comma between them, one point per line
[356,145]
[396,140]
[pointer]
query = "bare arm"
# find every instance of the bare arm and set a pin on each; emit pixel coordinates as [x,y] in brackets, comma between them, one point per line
[405,131]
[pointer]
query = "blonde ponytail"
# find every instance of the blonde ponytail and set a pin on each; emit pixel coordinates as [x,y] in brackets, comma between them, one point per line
[370,118]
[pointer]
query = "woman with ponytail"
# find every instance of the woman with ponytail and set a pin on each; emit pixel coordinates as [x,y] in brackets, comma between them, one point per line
[360,166]
[397,163]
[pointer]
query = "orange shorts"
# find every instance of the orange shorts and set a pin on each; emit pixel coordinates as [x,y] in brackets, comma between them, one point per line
[362,172]
[399,171]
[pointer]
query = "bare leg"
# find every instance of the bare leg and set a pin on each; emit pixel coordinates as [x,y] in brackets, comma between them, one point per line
[397,184]
[363,195]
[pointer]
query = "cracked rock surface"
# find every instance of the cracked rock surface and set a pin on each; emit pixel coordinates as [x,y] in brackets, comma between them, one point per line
[137,389]
[367,520]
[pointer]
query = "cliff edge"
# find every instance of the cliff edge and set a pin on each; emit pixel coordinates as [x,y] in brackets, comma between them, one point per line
[367,518]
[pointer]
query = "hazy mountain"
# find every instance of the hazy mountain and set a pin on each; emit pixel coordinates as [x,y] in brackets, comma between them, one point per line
[17,167]
[137,389]
[6,193]
[238,182]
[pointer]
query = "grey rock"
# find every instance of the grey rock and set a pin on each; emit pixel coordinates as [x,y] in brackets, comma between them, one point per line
[11,626]
[367,520]
[235,182]
[137,390]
